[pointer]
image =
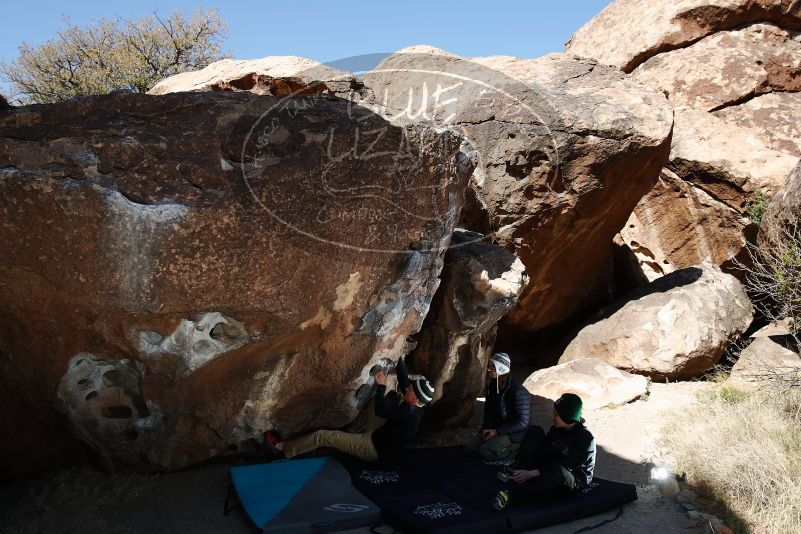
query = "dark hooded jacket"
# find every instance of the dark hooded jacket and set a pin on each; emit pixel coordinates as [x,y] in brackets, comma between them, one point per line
[575,450]
[509,410]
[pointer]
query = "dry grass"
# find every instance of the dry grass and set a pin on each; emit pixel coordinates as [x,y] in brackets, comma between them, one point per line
[743,451]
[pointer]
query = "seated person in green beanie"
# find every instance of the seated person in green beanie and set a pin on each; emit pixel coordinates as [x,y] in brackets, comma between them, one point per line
[390,426]
[507,411]
[555,463]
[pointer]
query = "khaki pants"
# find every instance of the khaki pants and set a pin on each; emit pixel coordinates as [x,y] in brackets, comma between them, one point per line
[359,445]
[498,448]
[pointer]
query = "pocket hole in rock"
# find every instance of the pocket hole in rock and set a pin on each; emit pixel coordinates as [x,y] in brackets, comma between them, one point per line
[201,345]
[111,378]
[140,405]
[91,395]
[225,332]
[117,412]
[84,383]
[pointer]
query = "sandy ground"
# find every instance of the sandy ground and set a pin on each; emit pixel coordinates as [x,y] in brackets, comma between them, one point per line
[88,501]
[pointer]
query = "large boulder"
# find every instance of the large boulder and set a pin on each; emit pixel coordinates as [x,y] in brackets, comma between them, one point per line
[628,32]
[4,103]
[191,270]
[727,68]
[675,327]
[271,75]
[480,283]
[595,381]
[567,148]
[774,117]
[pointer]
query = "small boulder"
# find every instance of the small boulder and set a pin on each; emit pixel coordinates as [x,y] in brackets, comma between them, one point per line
[765,359]
[675,327]
[595,381]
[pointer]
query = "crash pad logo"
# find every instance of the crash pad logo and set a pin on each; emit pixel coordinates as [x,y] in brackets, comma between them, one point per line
[438,510]
[504,463]
[379,477]
[349,508]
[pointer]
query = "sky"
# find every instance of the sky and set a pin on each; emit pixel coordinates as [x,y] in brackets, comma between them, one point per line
[328,31]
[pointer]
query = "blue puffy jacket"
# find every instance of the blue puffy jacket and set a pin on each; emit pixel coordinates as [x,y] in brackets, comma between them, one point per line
[508,411]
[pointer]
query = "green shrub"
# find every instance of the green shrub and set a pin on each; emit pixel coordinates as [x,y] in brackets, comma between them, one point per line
[756,205]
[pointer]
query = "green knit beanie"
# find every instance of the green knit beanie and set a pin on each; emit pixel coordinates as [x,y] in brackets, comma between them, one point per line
[568,406]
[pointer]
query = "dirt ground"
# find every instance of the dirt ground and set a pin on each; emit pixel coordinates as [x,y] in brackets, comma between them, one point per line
[81,500]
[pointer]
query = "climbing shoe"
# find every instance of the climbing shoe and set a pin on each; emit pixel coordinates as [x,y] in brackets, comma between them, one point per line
[271,439]
[501,501]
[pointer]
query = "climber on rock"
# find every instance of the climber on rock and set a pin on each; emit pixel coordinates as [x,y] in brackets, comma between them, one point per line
[552,464]
[507,411]
[390,426]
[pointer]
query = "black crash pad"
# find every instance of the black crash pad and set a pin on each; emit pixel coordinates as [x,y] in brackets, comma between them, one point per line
[445,490]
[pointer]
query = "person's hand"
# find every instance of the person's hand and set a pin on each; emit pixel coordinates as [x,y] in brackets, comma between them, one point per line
[521,475]
[381,378]
[488,433]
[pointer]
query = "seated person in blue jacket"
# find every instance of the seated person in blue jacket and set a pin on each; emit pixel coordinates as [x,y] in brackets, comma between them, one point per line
[556,463]
[389,429]
[507,411]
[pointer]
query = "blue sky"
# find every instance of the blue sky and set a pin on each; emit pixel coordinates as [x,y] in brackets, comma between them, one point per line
[327,31]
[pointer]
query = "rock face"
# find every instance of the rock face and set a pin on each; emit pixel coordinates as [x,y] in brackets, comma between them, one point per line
[727,162]
[678,225]
[567,148]
[191,270]
[727,68]
[783,213]
[4,103]
[774,117]
[272,75]
[696,212]
[628,32]
[675,327]
[595,381]
[740,60]
[480,283]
